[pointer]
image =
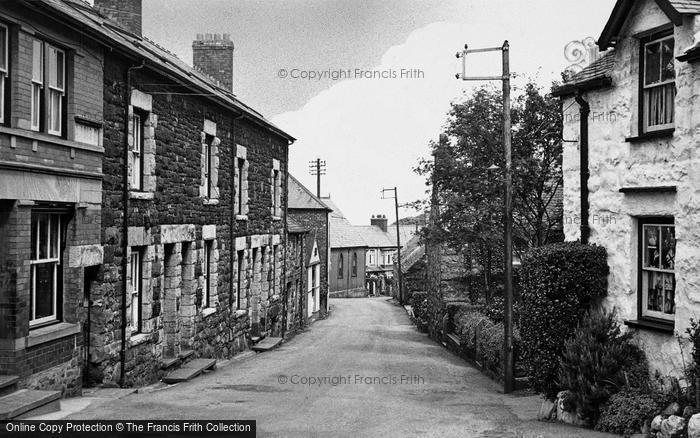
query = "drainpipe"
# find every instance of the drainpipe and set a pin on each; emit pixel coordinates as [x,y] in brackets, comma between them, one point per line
[125,228]
[585,110]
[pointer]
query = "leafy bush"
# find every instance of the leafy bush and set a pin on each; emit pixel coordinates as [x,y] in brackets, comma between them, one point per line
[598,361]
[627,411]
[419,304]
[558,284]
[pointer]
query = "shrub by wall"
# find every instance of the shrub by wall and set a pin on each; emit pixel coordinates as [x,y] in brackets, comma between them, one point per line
[599,360]
[558,284]
[419,304]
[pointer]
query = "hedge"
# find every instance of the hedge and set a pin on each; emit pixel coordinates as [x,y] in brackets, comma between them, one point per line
[419,304]
[558,284]
[481,339]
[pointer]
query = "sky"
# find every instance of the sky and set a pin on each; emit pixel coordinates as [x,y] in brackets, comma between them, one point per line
[366,84]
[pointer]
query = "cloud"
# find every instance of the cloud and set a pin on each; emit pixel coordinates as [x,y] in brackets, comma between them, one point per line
[371,132]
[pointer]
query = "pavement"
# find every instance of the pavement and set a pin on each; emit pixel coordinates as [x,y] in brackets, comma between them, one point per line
[364,371]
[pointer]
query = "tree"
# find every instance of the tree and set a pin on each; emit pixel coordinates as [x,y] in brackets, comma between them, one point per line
[467,174]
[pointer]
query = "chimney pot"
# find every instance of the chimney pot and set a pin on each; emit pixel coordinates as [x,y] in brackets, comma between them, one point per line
[127,13]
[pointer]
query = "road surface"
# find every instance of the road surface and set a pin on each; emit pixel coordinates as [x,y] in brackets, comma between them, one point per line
[364,371]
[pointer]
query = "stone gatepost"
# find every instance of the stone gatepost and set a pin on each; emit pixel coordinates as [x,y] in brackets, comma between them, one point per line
[171,299]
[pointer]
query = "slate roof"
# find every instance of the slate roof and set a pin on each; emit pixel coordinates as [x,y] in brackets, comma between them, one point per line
[337,213]
[686,6]
[345,235]
[301,198]
[674,9]
[156,57]
[597,75]
[406,232]
[412,252]
[375,237]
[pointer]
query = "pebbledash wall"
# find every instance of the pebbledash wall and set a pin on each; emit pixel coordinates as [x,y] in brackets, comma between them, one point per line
[617,164]
[47,174]
[172,222]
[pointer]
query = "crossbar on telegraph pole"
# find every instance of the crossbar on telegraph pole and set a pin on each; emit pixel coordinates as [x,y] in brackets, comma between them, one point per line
[317,168]
[508,354]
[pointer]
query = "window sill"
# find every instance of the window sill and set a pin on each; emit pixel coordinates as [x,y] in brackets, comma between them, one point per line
[276,218]
[40,136]
[51,333]
[240,313]
[241,217]
[652,325]
[208,311]
[211,201]
[145,196]
[663,133]
[139,338]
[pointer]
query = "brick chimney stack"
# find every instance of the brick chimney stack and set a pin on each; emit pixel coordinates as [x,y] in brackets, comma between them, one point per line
[380,221]
[127,13]
[213,55]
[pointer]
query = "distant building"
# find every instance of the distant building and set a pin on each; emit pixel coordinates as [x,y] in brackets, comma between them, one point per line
[362,256]
[312,214]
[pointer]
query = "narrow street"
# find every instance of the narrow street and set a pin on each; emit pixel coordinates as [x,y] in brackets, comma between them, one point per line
[370,338]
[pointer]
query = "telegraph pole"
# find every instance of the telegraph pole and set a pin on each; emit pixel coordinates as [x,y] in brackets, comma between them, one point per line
[317,168]
[509,360]
[398,239]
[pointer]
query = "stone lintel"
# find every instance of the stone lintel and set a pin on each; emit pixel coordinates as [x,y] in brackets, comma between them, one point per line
[138,236]
[209,232]
[177,233]
[209,128]
[142,100]
[85,255]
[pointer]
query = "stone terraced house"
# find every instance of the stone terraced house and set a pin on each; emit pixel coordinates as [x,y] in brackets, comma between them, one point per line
[142,205]
[631,133]
[313,215]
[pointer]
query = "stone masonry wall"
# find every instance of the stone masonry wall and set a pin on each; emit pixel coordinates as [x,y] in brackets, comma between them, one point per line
[174,316]
[615,163]
[316,221]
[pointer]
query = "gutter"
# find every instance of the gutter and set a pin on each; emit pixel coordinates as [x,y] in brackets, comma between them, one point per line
[584,172]
[574,89]
[125,228]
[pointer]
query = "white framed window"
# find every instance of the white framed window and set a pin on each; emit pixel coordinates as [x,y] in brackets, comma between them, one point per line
[136,288]
[657,268]
[137,152]
[274,268]
[37,83]
[45,264]
[4,68]
[371,257]
[658,84]
[206,273]
[57,89]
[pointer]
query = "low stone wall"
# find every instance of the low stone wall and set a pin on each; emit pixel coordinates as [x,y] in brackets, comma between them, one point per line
[66,377]
[352,293]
